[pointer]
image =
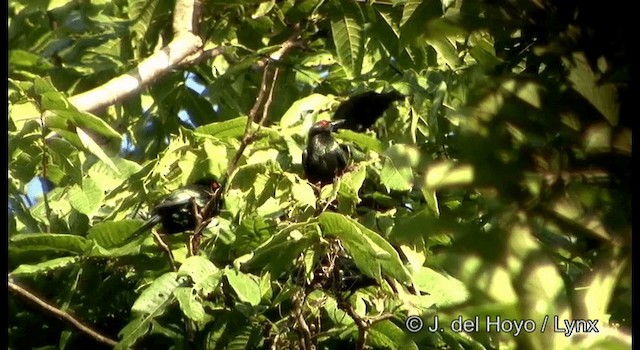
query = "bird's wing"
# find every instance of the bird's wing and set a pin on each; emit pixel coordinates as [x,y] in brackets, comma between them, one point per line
[344,154]
[304,161]
[154,220]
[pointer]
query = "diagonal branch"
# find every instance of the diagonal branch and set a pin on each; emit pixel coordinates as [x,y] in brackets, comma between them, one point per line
[60,314]
[131,83]
[248,136]
[185,48]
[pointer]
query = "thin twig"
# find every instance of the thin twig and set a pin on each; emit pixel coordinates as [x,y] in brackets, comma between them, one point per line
[267,103]
[166,249]
[60,314]
[363,323]
[45,198]
[292,42]
[247,129]
[303,327]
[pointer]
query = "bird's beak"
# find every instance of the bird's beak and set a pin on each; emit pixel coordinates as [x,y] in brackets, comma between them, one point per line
[337,124]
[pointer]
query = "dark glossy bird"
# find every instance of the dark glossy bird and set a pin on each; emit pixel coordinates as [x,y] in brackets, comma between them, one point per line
[361,111]
[350,277]
[324,159]
[176,211]
[340,274]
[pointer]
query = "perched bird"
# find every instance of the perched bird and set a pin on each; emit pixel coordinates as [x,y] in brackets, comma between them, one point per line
[324,158]
[350,277]
[338,271]
[176,212]
[361,111]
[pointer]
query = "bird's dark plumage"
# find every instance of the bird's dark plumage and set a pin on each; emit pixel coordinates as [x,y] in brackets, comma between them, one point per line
[361,111]
[324,158]
[176,213]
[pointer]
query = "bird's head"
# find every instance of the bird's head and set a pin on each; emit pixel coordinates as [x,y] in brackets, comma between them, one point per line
[325,127]
[209,182]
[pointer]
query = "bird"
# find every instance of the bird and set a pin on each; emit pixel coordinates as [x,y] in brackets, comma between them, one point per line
[361,111]
[176,211]
[324,159]
[338,272]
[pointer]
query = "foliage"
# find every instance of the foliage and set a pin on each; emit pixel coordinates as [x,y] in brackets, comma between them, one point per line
[499,188]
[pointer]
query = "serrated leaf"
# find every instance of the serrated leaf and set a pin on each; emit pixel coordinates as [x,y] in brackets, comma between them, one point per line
[48,242]
[107,179]
[44,267]
[246,286]
[347,28]
[233,128]
[397,170]
[110,233]
[157,296]
[87,199]
[95,149]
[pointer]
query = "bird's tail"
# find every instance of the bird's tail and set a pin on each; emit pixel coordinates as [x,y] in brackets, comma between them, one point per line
[154,220]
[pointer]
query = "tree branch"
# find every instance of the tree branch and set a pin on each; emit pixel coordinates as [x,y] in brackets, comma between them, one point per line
[253,114]
[178,52]
[155,66]
[363,323]
[60,314]
[303,327]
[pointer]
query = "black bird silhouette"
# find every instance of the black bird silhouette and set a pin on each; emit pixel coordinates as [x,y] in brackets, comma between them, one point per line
[176,211]
[361,111]
[324,158]
[338,271]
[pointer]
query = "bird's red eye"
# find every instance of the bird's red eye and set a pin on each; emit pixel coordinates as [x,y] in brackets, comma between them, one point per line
[214,186]
[323,123]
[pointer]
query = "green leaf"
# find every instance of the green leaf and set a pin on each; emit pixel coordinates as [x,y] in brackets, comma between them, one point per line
[448,173]
[397,170]
[233,128]
[443,289]
[107,179]
[44,267]
[198,268]
[364,141]
[247,287]
[87,199]
[347,27]
[604,97]
[23,112]
[263,9]
[111,234]
[88,121]
[133,331]
[387,335]
[48,242]
[95,149]
[278,252]
[154,300]
[190,303]
[309,104]
[370,251]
